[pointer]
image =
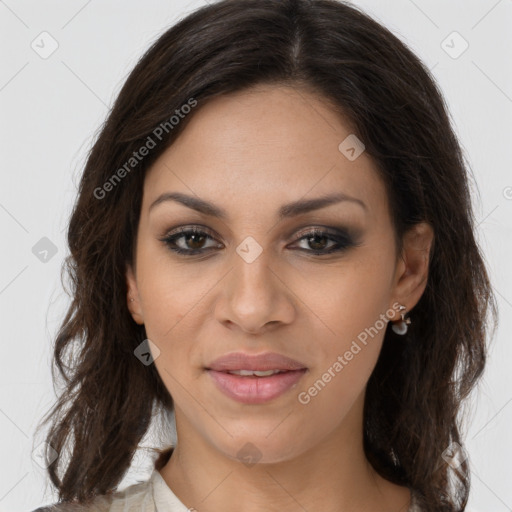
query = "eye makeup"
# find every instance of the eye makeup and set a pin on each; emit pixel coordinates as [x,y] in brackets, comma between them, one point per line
[196,240]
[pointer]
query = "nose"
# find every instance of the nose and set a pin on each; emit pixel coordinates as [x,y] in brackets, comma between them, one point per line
[255,298]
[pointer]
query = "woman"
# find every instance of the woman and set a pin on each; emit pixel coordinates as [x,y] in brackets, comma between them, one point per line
[274,239]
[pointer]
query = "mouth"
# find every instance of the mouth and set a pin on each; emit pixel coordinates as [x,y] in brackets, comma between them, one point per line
[255,386]
[255,378]
[255,373]
[243,362]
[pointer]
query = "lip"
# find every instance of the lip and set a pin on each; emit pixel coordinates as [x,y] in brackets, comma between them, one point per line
[255,390]
[265,361]
[252,389]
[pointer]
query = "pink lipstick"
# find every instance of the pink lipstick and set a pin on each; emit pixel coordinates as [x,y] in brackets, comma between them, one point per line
[255,379]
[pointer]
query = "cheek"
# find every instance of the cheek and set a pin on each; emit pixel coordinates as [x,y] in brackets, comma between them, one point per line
[169,291]
[340,378]
[174,299]
[352,307]
[349,298]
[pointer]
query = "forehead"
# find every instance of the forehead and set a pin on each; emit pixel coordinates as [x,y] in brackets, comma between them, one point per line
[265,146]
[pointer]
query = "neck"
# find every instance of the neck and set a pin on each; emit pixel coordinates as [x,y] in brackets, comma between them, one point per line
[334,473]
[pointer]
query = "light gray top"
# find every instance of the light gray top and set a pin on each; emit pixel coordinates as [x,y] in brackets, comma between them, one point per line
[153,495]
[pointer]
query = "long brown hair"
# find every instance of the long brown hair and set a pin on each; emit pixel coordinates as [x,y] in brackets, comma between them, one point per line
[376,83]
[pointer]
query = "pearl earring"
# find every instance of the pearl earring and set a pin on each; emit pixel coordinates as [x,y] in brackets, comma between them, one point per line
[400,327]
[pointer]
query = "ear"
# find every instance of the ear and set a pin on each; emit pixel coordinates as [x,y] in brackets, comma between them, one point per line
[411,273]
[132,297]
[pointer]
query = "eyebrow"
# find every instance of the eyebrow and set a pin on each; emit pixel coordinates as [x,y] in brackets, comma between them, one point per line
[292,209]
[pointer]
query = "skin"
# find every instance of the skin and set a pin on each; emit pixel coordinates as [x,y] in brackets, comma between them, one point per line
[249,153]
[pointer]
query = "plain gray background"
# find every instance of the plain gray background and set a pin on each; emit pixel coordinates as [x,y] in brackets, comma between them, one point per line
[51,109]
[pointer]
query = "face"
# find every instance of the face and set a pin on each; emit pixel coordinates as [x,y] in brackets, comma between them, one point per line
[315,285]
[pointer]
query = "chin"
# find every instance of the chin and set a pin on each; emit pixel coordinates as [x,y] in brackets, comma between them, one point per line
[258,448]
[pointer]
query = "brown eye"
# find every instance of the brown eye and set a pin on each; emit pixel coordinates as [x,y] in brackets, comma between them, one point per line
[195,240]
[317,241]
[188,241]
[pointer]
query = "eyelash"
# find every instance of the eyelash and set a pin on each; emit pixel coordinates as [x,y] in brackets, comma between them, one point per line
[343,240]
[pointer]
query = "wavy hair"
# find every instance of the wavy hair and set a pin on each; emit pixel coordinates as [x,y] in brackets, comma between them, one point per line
[376,83]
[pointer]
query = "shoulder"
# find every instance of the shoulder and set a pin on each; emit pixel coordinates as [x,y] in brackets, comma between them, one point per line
[135,498]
